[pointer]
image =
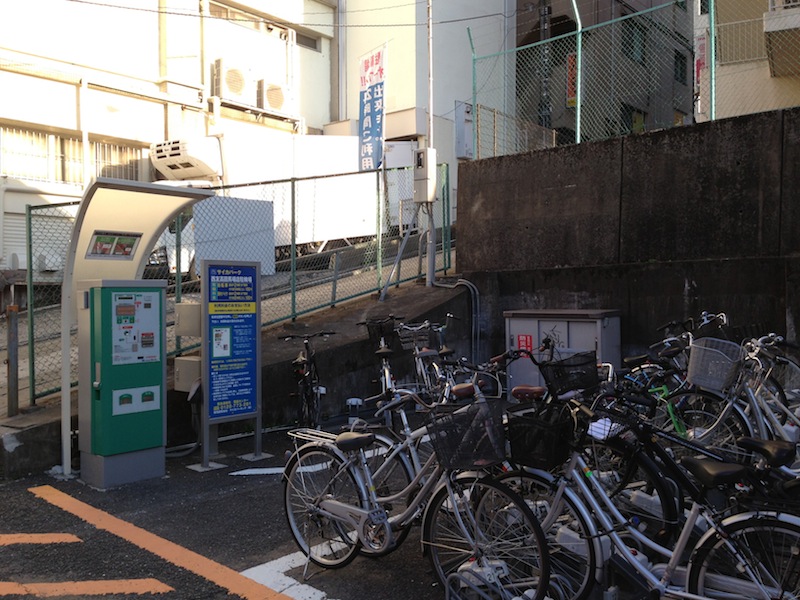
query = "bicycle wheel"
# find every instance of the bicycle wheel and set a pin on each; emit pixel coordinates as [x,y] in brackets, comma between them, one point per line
[636,485]
[313,474]
[391,476]
[696,415]
[770,545]
[570,534]
[484,542]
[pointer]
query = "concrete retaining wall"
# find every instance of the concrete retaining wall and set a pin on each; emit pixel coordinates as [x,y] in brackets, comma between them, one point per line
[661,226]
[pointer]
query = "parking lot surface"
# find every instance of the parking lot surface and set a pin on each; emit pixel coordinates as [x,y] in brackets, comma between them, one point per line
[193,534]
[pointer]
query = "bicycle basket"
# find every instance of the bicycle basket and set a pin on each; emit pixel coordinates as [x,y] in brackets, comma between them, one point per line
[540,438]
[713,363]
[576,372]
[468,437]
[426,337]
[380,330]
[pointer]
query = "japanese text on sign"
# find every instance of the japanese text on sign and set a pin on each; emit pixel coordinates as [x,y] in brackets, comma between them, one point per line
[371,109]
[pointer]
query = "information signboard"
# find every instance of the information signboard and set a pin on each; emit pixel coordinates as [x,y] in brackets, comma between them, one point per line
[231,342]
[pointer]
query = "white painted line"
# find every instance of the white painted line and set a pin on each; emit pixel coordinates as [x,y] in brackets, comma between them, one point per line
[273,575]
[261,471]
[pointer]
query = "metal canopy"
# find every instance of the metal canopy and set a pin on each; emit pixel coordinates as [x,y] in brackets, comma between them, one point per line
[115,230]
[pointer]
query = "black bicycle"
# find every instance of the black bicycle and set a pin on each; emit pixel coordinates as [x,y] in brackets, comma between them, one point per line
[309,389]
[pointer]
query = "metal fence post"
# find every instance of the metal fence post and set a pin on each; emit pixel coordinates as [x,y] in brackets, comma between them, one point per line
[30,301]
[12,312]
[294,250]
[336,258]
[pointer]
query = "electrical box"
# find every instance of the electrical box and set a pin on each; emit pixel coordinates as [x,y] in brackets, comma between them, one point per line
[122,380]
[463,125]
[187,370]
[425,175]
[188,321]
[571,331]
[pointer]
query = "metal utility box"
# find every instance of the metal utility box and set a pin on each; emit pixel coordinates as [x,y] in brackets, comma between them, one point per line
[122,375]
[571,331]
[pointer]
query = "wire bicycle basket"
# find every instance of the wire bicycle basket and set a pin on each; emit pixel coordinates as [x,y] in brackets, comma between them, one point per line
[713,363]
[419,335]
[575,372]
[541,437]
[470,436]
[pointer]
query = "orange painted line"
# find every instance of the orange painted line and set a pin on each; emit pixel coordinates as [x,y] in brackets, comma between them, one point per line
[37,538]
[225,577]
[85,588]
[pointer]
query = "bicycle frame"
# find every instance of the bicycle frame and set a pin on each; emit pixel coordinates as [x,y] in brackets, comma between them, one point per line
[660,578]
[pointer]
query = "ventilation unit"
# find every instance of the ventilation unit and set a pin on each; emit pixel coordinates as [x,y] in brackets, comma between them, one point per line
[233,83]
[180,160]
[272,96]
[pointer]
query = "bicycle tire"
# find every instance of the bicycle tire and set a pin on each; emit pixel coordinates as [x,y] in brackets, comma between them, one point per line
[637,486]
[510,553]
[772,545]
[313,473]
[308,392]
[697,412]
[389,480]
[573,557]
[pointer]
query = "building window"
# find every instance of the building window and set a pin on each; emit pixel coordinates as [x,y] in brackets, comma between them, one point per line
[307,41]
[37,156]
[632,119]
[703,7]
[634,38]
[240,17]
[679,67]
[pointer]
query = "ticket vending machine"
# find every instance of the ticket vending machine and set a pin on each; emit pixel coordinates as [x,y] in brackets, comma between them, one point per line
[122,381]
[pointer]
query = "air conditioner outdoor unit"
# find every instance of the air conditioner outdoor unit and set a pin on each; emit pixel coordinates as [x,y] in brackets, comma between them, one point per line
[180,160]
[272,96]
[233,83]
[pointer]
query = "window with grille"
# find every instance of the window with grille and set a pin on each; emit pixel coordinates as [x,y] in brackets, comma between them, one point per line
[634,38]
[38,156]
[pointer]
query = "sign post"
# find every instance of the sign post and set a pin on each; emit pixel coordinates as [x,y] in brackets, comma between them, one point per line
[231,347]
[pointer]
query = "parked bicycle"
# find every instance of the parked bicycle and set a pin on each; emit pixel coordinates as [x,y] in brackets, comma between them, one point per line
[479,535]
[738,538]
[309,388]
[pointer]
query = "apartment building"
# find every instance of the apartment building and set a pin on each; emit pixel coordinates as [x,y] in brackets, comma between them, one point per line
[755,65]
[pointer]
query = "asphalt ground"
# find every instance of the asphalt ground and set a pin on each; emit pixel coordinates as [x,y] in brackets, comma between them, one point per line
[192,534]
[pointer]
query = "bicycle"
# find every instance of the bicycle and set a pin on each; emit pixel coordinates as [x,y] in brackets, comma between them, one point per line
[309,389]
[477,533]
[730,554]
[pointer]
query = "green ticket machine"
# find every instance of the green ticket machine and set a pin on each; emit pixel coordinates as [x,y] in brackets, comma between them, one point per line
[122,381]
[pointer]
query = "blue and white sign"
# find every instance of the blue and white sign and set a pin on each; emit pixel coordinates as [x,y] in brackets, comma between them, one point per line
[371,109]
[232,297]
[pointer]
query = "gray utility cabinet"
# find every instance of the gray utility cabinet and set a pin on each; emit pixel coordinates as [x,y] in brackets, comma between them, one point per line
[571,330]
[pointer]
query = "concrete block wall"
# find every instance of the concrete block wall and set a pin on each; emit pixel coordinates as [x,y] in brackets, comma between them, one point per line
[661,225]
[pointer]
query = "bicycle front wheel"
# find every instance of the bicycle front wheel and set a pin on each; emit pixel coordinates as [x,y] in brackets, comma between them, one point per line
[484,542]
[313,474]
[769,565]
[570,534]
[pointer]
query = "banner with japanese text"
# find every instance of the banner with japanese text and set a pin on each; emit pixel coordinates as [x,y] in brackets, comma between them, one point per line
[372,72]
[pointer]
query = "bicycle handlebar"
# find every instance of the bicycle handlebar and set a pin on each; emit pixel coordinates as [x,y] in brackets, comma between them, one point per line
[305,336]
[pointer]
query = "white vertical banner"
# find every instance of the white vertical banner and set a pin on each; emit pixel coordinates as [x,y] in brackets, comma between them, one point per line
[372,73]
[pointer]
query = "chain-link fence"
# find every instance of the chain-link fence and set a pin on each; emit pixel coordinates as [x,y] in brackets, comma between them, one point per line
[49,229]
[671,65]
[320,241]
